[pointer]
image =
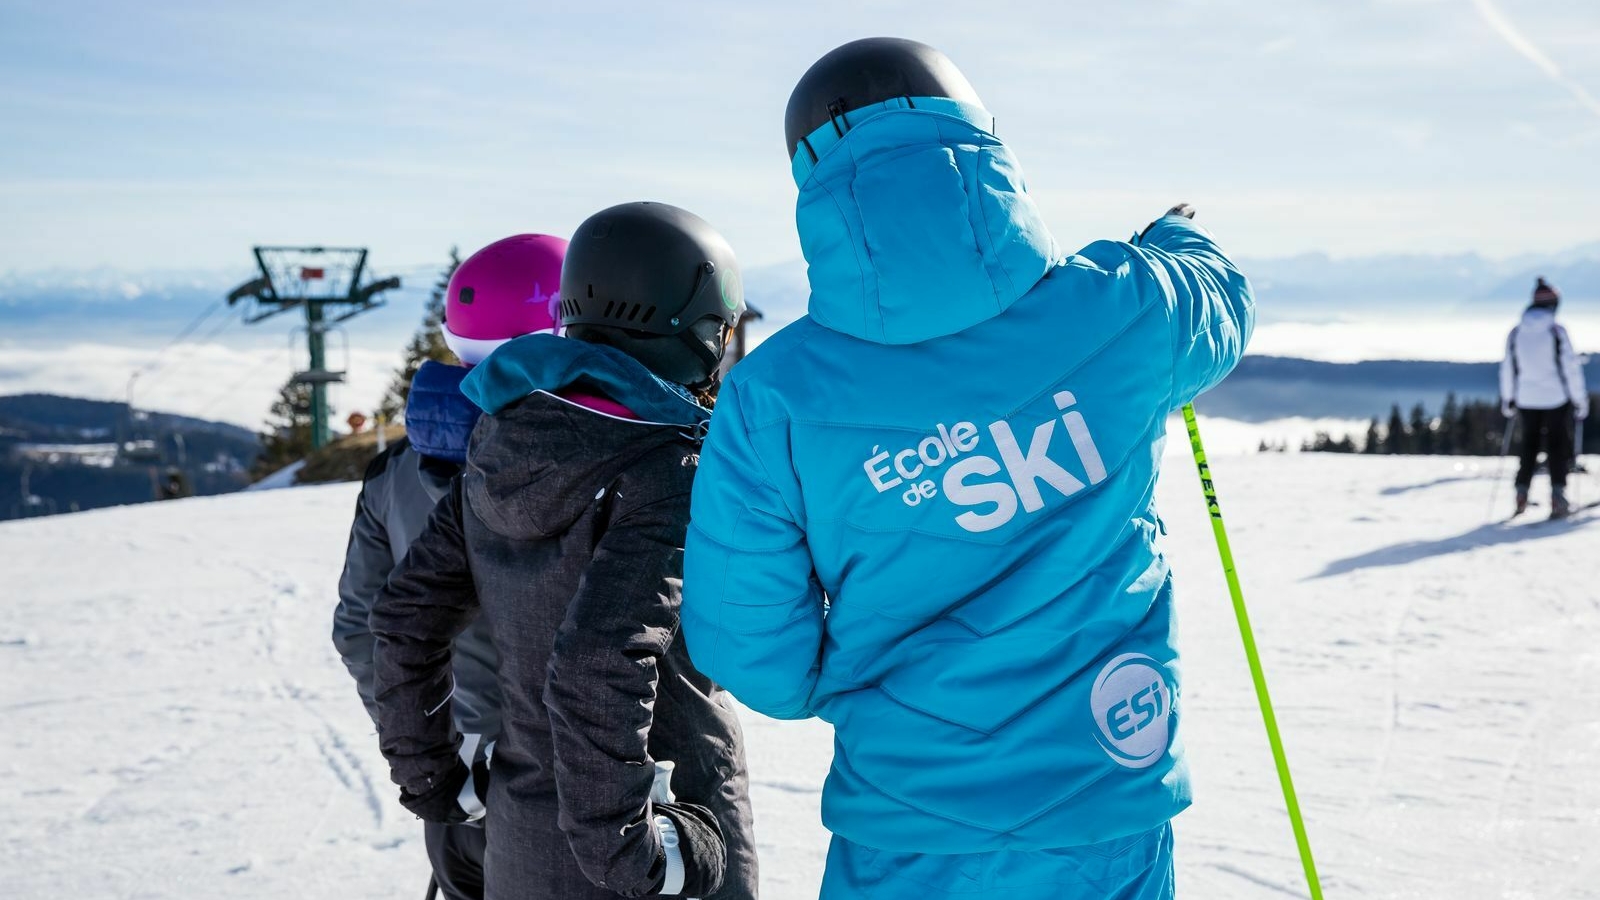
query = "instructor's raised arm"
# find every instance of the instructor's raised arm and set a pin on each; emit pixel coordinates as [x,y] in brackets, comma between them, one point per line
[1212,308]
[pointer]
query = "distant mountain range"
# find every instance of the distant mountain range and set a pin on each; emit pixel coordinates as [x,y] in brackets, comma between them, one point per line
[58,454]
[109,306]
[1265,388]
[1314,286]
[104,303]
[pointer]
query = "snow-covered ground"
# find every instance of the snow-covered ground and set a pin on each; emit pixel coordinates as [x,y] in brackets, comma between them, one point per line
[174,722]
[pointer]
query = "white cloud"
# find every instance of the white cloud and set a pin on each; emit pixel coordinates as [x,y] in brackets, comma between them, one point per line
[1520,43]
[1445,337]
[1277,45]
[1261,220]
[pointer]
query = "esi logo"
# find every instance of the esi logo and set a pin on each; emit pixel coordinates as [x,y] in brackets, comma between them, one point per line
[1132,704]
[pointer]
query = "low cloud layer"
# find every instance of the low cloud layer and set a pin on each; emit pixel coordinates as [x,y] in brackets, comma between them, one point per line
[209,381]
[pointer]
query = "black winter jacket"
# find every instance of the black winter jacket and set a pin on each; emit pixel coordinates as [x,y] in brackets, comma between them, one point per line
[567,529]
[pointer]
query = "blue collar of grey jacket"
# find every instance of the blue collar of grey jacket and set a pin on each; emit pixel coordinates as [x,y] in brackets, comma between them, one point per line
[814,146]
[545,362]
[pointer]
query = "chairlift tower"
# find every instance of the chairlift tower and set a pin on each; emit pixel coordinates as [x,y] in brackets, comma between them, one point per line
[326,282]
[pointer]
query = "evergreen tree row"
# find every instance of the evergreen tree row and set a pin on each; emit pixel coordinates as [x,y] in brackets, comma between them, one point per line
[1471,428]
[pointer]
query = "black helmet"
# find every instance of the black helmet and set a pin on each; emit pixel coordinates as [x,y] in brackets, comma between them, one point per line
[656,282]
[865,72]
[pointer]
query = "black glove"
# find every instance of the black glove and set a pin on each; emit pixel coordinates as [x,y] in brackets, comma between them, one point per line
[705,853]
[441,801]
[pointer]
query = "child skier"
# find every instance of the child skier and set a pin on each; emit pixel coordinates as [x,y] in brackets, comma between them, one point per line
[925,511]
[1542,379]
[564,537]
[505,290]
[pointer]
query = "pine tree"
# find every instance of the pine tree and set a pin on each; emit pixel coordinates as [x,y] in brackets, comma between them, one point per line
[1395,441]
[1449,431]
[1497,427]
[1374,439]
[1485,427]
[1421,431]
[287,437]
[428,343]
[1472,432]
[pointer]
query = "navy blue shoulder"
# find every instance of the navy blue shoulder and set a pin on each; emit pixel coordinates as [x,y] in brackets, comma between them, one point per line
[439,418]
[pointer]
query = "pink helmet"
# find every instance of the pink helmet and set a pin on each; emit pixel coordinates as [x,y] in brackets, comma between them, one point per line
[510,288]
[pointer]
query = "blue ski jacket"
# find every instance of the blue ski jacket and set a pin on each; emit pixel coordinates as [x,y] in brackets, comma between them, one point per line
[925,510]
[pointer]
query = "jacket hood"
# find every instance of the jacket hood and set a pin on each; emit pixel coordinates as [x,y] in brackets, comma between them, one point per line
[439,418]
[916,224]
[538,460]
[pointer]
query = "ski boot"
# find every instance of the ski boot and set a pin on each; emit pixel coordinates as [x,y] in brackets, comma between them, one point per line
[1522,502]
[1560,506]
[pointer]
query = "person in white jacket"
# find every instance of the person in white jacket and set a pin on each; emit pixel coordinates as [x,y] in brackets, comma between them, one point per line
[1541,378]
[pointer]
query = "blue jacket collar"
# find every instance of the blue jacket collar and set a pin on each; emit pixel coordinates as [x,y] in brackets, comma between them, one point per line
[544,362]
[439,420]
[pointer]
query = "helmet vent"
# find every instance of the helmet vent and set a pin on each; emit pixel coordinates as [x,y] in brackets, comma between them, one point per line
[610,305]
[648,312]
[633,312]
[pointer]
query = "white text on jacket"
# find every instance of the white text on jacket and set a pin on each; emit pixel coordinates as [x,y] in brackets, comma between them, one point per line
[963,483]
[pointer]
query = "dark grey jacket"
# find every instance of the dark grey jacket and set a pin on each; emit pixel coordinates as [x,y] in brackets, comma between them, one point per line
[398,492]
[565,535]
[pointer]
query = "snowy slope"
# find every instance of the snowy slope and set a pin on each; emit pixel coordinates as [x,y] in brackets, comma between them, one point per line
[174,722]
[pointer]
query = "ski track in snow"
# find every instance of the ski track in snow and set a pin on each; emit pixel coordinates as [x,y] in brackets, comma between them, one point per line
[347,767]
[178,724]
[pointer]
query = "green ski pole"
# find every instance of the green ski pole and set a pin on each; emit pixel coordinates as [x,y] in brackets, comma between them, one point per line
[1250,653]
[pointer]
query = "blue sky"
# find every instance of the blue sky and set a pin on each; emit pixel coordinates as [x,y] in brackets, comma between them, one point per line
[177,134]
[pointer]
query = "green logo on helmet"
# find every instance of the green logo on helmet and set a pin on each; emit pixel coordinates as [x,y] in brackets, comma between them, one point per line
[732,290]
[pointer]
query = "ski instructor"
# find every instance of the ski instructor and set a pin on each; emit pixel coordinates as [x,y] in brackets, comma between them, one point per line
[925,510]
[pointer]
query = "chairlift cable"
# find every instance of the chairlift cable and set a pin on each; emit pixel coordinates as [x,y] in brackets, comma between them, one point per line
[220,328]
[274,357]
[164,371]
[183,333]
